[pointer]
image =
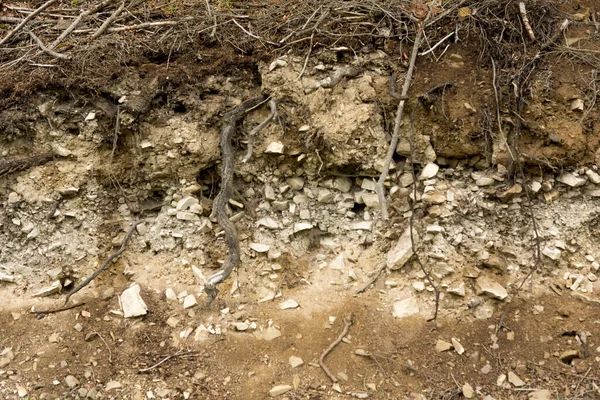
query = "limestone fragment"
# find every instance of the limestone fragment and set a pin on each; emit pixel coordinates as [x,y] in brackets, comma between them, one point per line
[259,247]
[55,287]
[571,180]
[405,308]
[488,286]
[189,301]
[279,390]
[288,304]
[275,148]
[132,303]
[429,171]
[296,362]
[402,251]
[468,391]
[442,345]
[515,380]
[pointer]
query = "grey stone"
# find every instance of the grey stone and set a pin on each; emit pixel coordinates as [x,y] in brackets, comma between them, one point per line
[185,203]
[296,183]
[405,308]
[71,381]
[553,254]
[279,390]
[296,362]
[402,250]
[429,171]
[571,180]
[593,176]
[488,286]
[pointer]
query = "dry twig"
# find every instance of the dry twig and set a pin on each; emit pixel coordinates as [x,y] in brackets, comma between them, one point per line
[26,20]
[372,280]
[347,325]
[523,12]
[180,353]
[47,50]
[397,124]
[112,257]
[108,21]
[42,313]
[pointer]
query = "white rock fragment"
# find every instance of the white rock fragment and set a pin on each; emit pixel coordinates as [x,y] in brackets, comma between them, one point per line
[371,200]
[488,286]
[268,223]
[553,254]
[442,345]
[483,181]
[279,390]
[21,391]
[113,385]
[405,308]
[60,151]
[185,203]
[302,226]
[170,294]
[457,346]
[55,287]
[6,278]
[515,380]
[132,303]
[571,180]
[429,171]
[90,116]
[467,391]
[288,304]
[296,362]
[536,186]
[593,176]
[189,301]
[275,148]
[402,250]
[259,247]
[296,183]
[361,226]
[418,286]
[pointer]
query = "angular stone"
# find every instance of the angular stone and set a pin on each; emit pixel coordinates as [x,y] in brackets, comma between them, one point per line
[571,180]
[288,304]
[488,286]
[484,181]
[186,203]
[342,184]
[442,345]
[429,171]
[132,303]
[189,301]
[302,226]
[271,334]
[362,226]
[405,308]
[553,254]
[55,287]
[296,362]
[170,294]
[568,356]
[458,289]
[113,385]
[259,247]
[457,346]
[275,148]
[6,278]
[402,250]
[268,223]
[279,390]
[467,391]
[541,395]
[187,216]
[515,380]
[434,197]
[371,200]
[325,196]
[71,381]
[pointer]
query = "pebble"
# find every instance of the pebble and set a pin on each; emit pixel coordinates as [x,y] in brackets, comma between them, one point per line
[487,368]
[488,286]
[21,391]
[71,381]
[275,148]
[279,390]
[457,346]
[170,294]
[571,180]
[402,250]
[302,226]
[268,223]
[551,253]
[593,176]
[371,200]
[112,385]
[338,263]
[259,247]
[429,171]
[442,345]
[541,395]
[296,183]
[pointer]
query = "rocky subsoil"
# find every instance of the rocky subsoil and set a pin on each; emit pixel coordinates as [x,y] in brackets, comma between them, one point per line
[312,238]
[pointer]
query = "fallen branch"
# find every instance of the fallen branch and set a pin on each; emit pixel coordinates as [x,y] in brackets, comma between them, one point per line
[47,50]
[528,28]
[347,325]
[260,127]
[412,218]
[397,124]
[41,314]
[112,257]
[77,21]
[26,20]
[109,21]
[150,25]
[13,165]
[230,119]
[180,353]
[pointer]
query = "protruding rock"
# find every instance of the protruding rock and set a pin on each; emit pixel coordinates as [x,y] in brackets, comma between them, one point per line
[296,183]
[288,304]
[406,308]
[593,176]
[338,262]
[132,303]
[457,346]
[467,391]
[259,247]
[429,171]
[488,286]
[189,301]
[275,148]
[442,345]
[571,180]
[268,223]
[55,287]
[6,278]
[553,254]
[402,250]
[185,203]
[302,226]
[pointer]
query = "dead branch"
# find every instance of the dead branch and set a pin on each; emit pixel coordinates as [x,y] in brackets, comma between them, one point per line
[47,50]
[26,20]
[108,21]
[106,344]
[397,124]
[260,127]
[180,353]
[523,12]
[42,313]
[333,79]
[412,218]
[347,325]
[8,166]
[150,25]
[112,257]
[77,21]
